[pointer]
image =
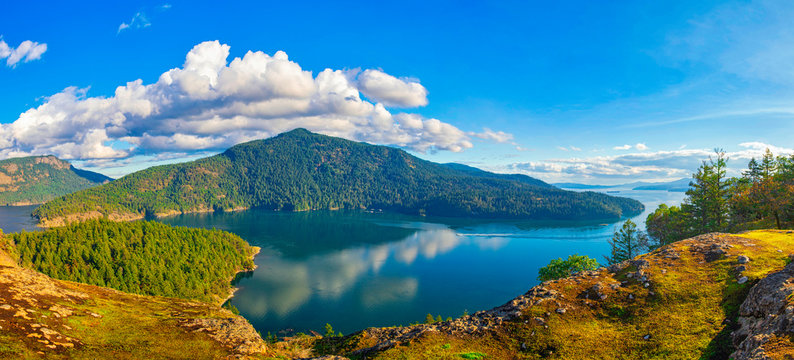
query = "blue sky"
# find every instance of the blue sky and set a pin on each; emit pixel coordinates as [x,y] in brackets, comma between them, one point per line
[565,91]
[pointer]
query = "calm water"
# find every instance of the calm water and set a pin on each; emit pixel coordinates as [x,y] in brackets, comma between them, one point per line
[355,270]
[17,218]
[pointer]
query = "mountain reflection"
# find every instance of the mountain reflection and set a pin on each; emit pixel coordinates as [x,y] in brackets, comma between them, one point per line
[283,284]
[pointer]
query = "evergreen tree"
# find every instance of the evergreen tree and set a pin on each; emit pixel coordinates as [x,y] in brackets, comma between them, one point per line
[707,201]
[627,243]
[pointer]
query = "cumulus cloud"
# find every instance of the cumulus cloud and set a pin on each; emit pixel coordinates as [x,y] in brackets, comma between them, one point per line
[641,146]
[26,51]
[391,91]
[658,165]
[211,103]
[623,147]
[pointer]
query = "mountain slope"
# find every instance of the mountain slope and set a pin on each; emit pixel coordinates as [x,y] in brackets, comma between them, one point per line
[473,171]
[300,170]
[38,179]
[46,318]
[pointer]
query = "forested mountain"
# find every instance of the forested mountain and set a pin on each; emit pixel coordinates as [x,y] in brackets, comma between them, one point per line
[300,170]
[38,179]
[473,171]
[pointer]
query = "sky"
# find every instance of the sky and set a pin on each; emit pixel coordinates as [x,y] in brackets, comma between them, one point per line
[565,91]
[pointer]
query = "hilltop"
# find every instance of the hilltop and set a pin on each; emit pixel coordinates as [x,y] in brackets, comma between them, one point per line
[38,179]
[300,170]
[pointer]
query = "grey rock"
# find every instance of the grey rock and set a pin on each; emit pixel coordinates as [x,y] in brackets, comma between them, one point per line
[765,314]
[743,259]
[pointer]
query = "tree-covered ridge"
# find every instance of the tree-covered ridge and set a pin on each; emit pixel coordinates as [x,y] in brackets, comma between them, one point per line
[140,257]
[38,179]
[300,170]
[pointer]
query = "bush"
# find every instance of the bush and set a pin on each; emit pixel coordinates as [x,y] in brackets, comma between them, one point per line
[559,268]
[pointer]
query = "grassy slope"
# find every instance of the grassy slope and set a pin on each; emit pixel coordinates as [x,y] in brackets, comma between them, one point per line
[686,311]
[42,317]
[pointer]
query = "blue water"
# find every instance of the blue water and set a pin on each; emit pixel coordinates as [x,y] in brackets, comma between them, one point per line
[356,269]
[17,218]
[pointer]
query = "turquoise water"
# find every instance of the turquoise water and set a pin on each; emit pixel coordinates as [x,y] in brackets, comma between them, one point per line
[356,269]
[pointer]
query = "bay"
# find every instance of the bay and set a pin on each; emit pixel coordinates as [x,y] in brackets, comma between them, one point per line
[357,269]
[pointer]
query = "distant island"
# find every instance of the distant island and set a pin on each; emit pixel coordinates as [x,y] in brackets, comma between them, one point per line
[680,185]
[300,170]
[37,179]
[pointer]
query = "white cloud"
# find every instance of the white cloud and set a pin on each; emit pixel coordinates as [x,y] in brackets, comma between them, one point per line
[26,51]
[391,91]
[139,20]
[495,136]
[658,165]
[210,104]
[624,147]
[641,146]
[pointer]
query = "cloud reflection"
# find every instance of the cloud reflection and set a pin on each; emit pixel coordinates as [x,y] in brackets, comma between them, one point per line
[282,285]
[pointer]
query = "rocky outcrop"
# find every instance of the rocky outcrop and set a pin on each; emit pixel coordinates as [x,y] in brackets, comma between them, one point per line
[765,315]
[234,332]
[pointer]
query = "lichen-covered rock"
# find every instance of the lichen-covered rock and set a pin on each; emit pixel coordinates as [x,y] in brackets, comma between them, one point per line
[234,332]
[765,313]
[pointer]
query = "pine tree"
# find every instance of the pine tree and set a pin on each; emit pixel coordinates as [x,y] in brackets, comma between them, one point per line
[708,194]
[627,243]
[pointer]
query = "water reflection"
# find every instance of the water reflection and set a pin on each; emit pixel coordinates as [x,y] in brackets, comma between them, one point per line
[282,285]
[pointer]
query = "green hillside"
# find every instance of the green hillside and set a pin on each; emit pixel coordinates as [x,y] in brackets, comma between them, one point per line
[300,170]
[141,257]
[38,179]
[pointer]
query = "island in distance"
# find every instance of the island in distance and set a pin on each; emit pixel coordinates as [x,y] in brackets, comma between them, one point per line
[300,170]
[37,179]
[680,185]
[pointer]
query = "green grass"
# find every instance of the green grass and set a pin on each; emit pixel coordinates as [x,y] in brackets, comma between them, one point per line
[473,355]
